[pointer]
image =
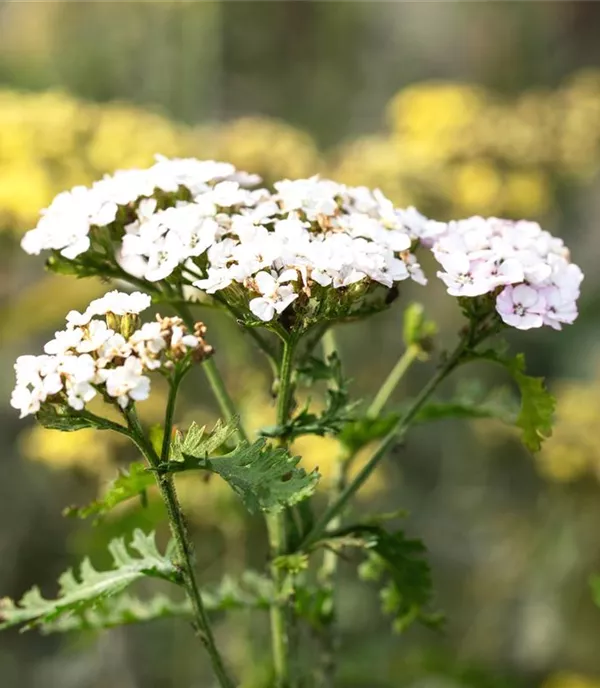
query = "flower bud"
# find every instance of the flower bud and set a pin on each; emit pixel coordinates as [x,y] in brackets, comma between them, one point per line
[113,321]
[130,322]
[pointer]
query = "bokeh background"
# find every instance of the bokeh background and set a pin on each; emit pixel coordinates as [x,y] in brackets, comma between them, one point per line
[458,108]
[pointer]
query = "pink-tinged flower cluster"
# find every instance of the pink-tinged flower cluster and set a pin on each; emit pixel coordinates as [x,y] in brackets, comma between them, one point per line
[110,356]
[527,269]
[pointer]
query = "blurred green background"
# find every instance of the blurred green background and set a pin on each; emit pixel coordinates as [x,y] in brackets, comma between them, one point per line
[458,108]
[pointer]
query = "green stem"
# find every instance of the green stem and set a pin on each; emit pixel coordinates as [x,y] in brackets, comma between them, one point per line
[328,638]
[395,434]
[391,382]
[280,612]
[169,413]
[215,380]
[182,541]
[285,389]
[222,396]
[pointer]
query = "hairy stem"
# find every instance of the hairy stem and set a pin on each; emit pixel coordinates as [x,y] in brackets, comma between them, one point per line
[280,613]
[183,543]
[395,434]
[328,637]
[391,382]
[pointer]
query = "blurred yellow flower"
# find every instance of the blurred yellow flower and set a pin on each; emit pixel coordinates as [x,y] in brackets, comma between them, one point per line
[88,451]
[265,146]
[52,141]
[567,680]
[455,149]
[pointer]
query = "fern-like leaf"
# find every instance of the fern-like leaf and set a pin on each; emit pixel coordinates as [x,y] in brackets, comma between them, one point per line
[251,591]
[266,478]
[82,591]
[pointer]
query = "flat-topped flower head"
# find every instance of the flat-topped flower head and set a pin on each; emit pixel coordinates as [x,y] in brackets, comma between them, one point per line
[317,250]
[525,268]
[311,249]
[91,357]
[71,224]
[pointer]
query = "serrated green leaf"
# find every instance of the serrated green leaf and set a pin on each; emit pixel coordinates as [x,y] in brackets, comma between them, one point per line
[199,443]
[84,590]
[128,485]
[266,478]
[313,369]
[536,414]
[251,591]
[399,564]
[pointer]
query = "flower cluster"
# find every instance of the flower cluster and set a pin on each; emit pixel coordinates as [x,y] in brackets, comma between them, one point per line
[527,269]
[108,356]
[201,218]
[310,233]
[206,225]
[66,224]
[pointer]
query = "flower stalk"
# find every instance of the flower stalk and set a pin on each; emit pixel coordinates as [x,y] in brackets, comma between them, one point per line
[328,637]
[184,547]
[280,612]
[393,379]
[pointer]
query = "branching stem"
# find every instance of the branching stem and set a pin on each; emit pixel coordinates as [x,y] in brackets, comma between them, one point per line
[183,543]
[395,434]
